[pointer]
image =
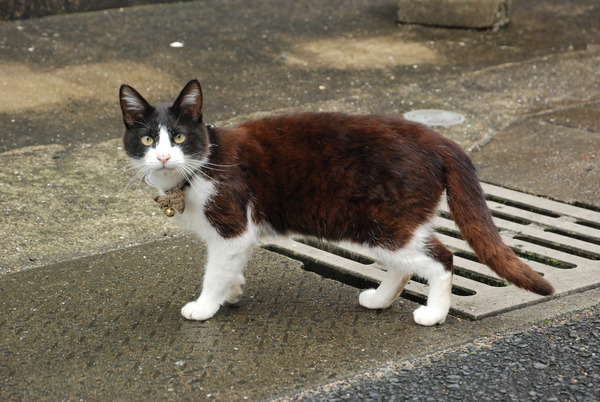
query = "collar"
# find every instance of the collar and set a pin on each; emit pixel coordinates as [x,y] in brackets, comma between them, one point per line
[173,200]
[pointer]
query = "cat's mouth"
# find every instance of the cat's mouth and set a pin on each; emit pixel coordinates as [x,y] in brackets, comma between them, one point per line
[165,167]
[164,170]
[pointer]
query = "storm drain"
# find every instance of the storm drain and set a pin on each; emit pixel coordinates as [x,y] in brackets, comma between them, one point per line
[560,241]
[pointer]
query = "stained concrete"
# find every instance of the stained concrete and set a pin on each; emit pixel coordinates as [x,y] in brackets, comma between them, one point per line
[16,9]
[108,327]
[563,147]
[64,178]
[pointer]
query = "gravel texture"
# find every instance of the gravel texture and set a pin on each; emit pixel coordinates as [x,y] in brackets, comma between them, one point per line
[552,361]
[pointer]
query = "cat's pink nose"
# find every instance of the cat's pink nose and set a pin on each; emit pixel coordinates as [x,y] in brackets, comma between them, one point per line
[163,158]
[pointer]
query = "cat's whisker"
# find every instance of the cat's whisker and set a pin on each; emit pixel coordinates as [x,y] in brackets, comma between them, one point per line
[137,178]
[196,163]
[213,168]
[204,161]
[223,166]
[191,169]
[187,172]
[198,158]
[126,169]
[199,166]
[216,168]
[195,166]
[203,174]
[195,189]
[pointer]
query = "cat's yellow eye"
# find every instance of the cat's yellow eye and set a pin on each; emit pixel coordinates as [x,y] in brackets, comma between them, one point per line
[179,138]
[147,140]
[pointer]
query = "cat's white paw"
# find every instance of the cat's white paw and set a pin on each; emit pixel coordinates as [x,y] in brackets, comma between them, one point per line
[199,311]
[235,293]
[428,316]
[236,290]
[371,299]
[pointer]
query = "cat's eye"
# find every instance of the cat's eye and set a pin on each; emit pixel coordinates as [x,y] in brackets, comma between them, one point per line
[179,138]
[147,140]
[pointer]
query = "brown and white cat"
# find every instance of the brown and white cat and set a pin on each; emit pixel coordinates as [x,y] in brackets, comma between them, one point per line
[372,180]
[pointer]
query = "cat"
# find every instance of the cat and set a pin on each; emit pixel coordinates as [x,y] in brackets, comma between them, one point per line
[371,180]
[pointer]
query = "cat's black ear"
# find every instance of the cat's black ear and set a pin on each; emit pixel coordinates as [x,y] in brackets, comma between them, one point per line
[189,101]
[133,105]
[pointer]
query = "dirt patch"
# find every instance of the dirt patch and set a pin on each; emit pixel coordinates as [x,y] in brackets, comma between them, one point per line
[98,80]
[351,53]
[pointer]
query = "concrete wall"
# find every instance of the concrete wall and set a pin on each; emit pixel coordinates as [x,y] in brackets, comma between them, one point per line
[19,9]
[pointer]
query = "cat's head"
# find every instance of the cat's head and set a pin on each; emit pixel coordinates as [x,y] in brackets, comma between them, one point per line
[167,143]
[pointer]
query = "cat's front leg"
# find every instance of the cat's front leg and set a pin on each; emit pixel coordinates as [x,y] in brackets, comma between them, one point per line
[223,278]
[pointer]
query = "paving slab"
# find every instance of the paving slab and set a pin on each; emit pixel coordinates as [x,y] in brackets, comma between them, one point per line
[455,13]
[561,149]
[108,327]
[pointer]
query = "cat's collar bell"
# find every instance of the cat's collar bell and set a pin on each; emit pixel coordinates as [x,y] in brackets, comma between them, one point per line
[173,200]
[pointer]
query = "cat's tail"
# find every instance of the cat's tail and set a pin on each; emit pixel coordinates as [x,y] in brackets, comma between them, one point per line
[473,218]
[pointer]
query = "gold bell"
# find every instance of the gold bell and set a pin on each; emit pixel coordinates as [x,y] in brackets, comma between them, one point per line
[170,212]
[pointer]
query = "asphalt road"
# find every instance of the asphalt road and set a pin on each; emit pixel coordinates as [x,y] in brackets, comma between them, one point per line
[554,361]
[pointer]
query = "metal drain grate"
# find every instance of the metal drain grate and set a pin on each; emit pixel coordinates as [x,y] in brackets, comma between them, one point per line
[560,241]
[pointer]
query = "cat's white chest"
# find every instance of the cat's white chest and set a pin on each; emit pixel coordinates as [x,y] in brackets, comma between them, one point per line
[197,196]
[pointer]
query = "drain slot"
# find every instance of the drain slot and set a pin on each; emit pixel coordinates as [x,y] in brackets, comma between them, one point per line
[511,218]
[593,225]
[318,266]
[467,255]
[333,249]
[449,232]
[477,277]
[521,205]
[584,205]
[560,247]
[528,255]
[552,262]
[456,290]
[573,235]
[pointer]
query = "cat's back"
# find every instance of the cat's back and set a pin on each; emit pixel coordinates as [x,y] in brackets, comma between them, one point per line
[333,126]
[342,134]
[334,151]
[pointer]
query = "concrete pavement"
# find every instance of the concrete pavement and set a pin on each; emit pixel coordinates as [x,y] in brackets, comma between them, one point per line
[93,275]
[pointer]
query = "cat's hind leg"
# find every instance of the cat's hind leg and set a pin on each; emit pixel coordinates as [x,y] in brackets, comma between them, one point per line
[400,265]
[428,258]
[223,277]
[436,267]
[390,288]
